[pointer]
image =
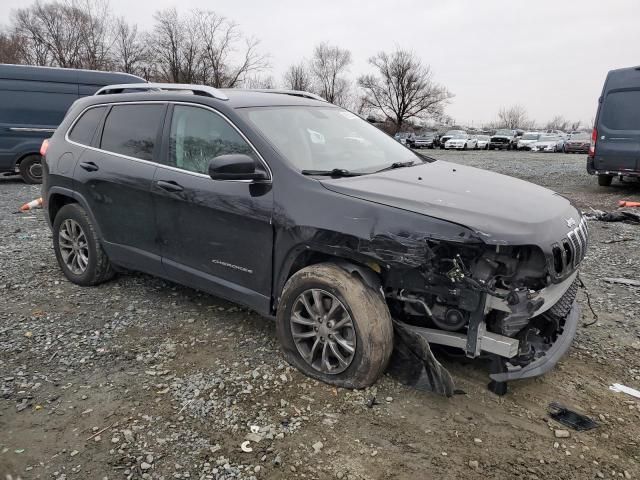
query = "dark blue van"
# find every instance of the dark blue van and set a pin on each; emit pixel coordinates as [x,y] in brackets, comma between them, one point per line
[615,140]
[33,102]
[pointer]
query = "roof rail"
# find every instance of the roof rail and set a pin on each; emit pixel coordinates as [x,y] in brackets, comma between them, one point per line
[295,93]
[202,90]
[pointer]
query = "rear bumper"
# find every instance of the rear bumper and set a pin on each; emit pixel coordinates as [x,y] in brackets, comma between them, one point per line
[591,170]
[551,357]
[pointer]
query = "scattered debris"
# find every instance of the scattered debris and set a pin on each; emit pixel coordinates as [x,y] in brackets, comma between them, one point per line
[570,418]
[245,447]
[626,203]
[621,215]
[623,281]
[32,205]
[617,387]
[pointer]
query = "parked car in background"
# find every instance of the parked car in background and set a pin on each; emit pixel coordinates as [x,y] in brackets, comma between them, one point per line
[483,141]
[449,134]
[425,140]
[33,101]
[503,139]
[548,143]
[403,137]
[578,143]
[461,141]
[527,139]
[615,140]
[221,191]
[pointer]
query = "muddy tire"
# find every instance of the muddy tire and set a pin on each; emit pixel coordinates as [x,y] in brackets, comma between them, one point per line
[78,249]
[605,180]
[31,169]
[369,332]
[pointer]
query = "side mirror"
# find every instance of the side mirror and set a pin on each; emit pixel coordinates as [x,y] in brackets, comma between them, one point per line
[236,166]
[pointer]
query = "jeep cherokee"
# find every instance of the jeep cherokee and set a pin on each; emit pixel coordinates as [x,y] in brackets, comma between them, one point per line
[304,212]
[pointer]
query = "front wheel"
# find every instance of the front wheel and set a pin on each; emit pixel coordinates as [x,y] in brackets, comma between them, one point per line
[334,327]
[78,249]
[31,169]
[605,180]
[465,147]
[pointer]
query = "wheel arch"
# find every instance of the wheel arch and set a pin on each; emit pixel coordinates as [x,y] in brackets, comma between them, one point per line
[303,256]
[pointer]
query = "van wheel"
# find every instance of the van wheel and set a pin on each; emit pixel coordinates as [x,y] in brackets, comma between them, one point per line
[31,169]
[334,327]
[605,180]
[78,249]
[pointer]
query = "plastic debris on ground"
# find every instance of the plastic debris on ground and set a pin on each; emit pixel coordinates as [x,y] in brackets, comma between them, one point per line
[413,363]
[617,387]
[623,281]
[572,419]
[627,215]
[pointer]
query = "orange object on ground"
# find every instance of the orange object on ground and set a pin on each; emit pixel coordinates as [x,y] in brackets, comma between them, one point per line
[623,203]
[37,203]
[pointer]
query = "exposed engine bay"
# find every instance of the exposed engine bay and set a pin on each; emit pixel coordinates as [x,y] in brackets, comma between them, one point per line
[504,303]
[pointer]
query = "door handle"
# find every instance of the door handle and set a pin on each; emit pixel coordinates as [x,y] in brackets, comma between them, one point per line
[170,186]
[89,166]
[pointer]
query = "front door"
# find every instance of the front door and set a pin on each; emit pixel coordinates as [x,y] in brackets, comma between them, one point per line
[215,235]
[618,143]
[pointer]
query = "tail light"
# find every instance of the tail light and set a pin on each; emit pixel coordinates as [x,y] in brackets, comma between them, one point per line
[592,146]
[44,147]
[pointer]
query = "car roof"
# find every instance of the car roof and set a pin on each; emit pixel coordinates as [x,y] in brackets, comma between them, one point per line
[235,98]
[65,75]
[623,77]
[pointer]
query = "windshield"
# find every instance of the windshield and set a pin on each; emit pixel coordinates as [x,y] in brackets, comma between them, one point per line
[483,137]
[580,136]
[548,138]
[508,133]
[452,133]
[327,138]
[530,136]
[459,135]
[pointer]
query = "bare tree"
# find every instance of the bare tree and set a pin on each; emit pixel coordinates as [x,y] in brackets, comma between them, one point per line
[403,88]
[9,48]
[260,82]
[328,66]
[129,50]
[513,117]
[558,123]
[228,57]
[96,28]
[168,39]
[298,77]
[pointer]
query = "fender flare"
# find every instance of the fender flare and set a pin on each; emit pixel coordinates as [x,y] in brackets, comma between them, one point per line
[78,198]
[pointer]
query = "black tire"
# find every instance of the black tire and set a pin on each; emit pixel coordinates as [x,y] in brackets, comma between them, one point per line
[31,169]
[490,148]
[369,313]
[465,147]
[605,180]
[486,147]
[98,268]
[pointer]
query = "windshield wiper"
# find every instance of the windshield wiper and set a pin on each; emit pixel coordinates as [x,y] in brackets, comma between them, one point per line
[336,172]
[395,165]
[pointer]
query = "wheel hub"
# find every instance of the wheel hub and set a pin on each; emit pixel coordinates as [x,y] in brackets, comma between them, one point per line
[323,331]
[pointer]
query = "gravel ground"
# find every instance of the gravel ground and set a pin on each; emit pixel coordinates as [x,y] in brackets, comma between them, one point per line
[140,378]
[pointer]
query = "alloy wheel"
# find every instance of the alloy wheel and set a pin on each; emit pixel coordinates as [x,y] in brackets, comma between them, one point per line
[74,247]
[323,331]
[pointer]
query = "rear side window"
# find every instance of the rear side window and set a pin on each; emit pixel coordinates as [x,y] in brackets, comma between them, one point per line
[621,110]
[132,130]
[84,129]
[198,135]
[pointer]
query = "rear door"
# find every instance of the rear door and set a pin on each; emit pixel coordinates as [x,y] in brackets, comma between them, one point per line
[618,143]
[216,235]
[114,177]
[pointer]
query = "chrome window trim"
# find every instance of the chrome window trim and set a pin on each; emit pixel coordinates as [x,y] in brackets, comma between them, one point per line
[162,165]
[31,129]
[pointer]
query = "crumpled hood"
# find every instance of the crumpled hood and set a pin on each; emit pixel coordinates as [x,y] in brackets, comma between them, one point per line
[500,209]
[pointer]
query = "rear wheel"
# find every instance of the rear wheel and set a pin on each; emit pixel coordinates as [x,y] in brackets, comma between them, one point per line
[334,327]
[31,169]
[605,180]
[78,249]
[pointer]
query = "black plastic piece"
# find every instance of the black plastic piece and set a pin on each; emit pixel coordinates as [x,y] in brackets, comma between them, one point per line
[572,419]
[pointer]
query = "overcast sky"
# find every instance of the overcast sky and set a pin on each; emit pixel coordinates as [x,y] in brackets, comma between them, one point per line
[549,56]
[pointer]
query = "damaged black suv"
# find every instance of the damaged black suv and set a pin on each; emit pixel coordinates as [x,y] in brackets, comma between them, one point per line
[304,212]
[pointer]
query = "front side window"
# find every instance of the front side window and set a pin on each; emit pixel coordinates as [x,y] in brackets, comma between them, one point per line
[327,138]
[84,129]
[131,130]
[198,135]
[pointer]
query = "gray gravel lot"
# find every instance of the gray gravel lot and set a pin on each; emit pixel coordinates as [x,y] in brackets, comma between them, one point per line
[140,378]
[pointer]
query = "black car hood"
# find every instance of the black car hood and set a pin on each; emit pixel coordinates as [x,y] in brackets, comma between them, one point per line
[502,210]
